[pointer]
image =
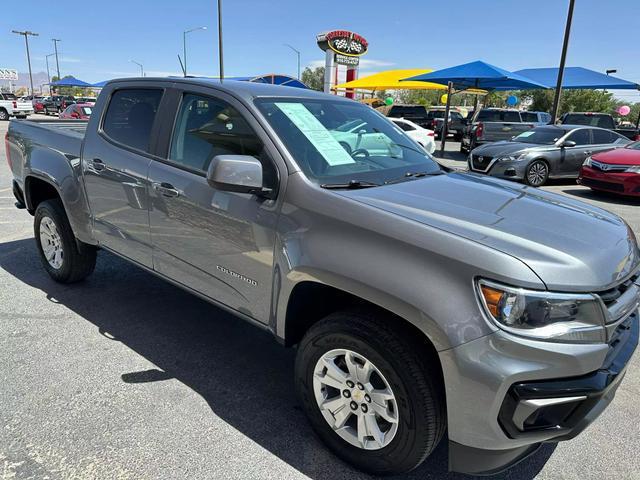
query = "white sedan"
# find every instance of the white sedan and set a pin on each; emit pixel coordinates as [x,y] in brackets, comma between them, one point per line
[423,136]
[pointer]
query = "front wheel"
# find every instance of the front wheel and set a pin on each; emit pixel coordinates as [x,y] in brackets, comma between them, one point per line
[537,173]
[64,259]
[370,392]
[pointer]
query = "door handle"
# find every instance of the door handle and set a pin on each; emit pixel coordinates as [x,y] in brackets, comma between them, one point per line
[166,189]
[588,152]
[98,165]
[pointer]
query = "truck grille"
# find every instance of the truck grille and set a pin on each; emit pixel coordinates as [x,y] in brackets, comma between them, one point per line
[622,304]
[481,162]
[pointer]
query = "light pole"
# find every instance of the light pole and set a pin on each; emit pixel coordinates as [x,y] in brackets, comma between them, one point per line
[55,46]
[26,34]
[298,54]
[184,45]
[563,58]
[141,67]
[220,40]
[47,59]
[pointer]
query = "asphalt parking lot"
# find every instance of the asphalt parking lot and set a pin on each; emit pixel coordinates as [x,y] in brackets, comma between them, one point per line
[125,376]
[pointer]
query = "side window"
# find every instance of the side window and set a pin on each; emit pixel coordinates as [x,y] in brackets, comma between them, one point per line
[581,137]
[511,116]
[69,110]
[130,116]
[603,136]
[207,127]
[404,126]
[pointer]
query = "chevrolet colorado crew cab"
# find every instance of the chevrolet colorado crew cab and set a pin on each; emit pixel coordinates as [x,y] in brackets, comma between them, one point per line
[421,300]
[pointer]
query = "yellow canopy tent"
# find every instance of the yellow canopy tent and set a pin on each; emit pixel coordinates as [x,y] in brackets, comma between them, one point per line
[390,80]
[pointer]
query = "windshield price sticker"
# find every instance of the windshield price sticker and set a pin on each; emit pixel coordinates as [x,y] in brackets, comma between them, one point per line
[333,153]
[526,134]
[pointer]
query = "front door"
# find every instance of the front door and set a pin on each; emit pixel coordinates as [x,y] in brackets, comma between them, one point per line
[215,242]
[115,166]
[572,158]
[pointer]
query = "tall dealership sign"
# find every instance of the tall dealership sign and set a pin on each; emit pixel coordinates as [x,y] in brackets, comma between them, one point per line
[341,47]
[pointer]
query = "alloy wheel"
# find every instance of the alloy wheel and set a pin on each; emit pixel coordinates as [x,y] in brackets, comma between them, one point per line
[51,243]
[537,174]
[355,399]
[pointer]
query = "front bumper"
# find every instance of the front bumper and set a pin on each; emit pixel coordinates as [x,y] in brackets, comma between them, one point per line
[507,395]
[508,170]
[623,183]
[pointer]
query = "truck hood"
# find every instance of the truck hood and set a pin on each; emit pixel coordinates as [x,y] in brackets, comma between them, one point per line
[506,147]
[570,245]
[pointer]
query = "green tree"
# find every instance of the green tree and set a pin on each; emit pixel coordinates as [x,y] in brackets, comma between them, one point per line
[314,78]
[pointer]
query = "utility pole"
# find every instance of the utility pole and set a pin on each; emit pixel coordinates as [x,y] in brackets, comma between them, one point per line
[48,73]
[184,47]
[563,58]
[26,34]
[220,40]
[55,46]
[298,54]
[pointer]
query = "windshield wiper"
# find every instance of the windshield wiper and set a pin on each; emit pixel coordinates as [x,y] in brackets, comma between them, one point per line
[409,175]
[354,184]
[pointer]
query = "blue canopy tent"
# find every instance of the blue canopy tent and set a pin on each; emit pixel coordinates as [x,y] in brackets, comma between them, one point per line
[70,82]
[577,78]
[479,75]
[100,84]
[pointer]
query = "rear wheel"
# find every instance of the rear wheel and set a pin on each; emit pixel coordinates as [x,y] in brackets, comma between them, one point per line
[370,392]
[65,259]
[537,173]
[4,115]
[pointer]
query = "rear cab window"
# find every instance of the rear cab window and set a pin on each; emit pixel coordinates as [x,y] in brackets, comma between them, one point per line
[130,116]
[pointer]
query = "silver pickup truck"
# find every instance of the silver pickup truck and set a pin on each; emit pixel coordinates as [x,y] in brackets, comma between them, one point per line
[421,301]
[495,124]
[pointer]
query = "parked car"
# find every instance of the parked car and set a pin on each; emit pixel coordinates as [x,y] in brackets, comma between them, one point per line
[543,152]
[10,106]
[55,104]
[601,120]
[424,137]
[455,126]
[616,171]
[38,105]
[414,113]
[421,300]
[492,125]
[89,100]
[80,111]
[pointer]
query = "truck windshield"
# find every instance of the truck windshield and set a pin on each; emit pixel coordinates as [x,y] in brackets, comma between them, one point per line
[589,119]
[540,136]
[337,142]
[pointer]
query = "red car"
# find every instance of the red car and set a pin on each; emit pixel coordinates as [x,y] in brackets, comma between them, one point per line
[616,171]
[78,111]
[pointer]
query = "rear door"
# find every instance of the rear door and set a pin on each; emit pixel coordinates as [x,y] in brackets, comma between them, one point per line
[602,140]
[115,164]
[217,243]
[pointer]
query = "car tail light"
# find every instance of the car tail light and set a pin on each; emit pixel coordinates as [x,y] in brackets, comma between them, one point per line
[636,138]
[431,134]
[6,146]
[15,104]
[479,130]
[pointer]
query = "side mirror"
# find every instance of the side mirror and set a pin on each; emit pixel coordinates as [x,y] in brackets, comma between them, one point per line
[236,173]
[568,144]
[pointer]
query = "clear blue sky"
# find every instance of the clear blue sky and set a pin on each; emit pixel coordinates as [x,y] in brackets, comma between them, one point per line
[512,34]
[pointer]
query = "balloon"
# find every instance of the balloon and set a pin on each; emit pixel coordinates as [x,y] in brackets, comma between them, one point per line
[624,110]
[443,98]
[512,100]
[388,101]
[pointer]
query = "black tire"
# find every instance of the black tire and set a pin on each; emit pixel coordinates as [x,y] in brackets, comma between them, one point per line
[413,375]
[537,173]
[79,259]
[457,137]
[463,149]
[4,115]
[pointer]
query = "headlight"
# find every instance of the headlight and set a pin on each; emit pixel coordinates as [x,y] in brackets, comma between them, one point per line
[512,158]
[635,169]
[587,162]
[556,317]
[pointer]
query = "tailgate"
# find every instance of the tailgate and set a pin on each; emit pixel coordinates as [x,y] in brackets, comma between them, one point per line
[496,131]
